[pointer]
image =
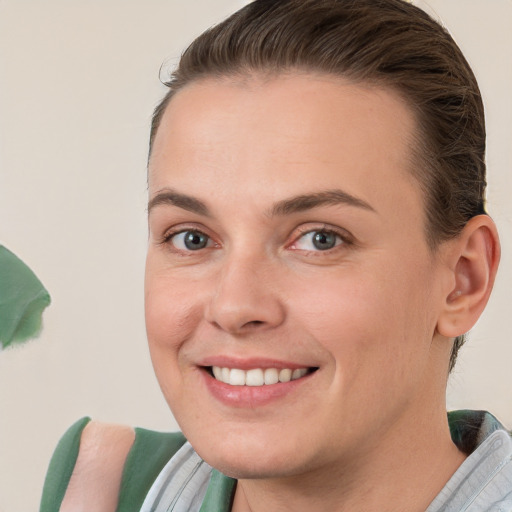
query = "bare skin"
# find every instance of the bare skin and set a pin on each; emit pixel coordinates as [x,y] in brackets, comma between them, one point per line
[246,170]
[96,478]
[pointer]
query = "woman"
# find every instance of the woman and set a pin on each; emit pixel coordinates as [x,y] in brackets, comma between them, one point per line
[318,248]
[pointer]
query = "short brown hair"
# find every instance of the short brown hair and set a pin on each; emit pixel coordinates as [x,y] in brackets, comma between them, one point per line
[388,43]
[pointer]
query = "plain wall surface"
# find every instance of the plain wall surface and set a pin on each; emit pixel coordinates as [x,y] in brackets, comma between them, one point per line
[78,82]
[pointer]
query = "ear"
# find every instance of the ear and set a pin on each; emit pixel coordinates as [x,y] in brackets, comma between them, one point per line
[473,261]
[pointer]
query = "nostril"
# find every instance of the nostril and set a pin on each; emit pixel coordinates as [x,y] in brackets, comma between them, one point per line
[254,323]
[234,311]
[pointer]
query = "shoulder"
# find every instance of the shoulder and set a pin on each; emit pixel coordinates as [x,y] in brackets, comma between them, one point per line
[96,478]
[97,465]
[484,480]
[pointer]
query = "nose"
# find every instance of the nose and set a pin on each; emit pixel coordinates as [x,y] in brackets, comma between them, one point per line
[245,296]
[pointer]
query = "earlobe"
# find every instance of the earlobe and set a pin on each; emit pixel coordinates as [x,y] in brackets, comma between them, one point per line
[475,258]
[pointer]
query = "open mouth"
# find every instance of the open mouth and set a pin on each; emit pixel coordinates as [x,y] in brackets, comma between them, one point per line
[257,376]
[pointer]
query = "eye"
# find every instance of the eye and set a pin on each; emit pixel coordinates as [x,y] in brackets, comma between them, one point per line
[319,240]
[190,240]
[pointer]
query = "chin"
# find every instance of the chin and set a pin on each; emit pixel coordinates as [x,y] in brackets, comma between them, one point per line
[251,458]
[254,469]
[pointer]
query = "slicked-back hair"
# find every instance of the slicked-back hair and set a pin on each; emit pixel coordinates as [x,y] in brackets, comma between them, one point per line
[386,43]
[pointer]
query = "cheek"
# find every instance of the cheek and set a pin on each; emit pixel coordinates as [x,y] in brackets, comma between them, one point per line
[365,319]
[168,324]
[172,314]
[372,329]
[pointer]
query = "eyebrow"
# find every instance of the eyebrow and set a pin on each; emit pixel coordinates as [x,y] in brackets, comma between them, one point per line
[308,201]
[172,198]
[289,206]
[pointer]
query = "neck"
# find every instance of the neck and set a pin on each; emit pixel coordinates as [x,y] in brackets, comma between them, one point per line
[402,471]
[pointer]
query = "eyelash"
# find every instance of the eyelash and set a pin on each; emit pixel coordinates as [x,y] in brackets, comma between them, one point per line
[345,239]
[169,235]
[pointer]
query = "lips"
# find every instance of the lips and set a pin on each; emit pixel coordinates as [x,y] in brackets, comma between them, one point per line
[253,382]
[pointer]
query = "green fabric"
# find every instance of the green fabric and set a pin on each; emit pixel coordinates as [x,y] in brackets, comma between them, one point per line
[469,428]
[149,454]
[152,450]
[61,466]
[220,493]
[22,300]
[464,428]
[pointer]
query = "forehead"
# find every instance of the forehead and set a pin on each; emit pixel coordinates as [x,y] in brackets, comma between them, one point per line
[296,128]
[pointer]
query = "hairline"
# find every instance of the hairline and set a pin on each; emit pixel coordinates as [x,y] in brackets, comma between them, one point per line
[415,143]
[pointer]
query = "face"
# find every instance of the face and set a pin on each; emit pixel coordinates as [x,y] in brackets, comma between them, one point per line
[291,298]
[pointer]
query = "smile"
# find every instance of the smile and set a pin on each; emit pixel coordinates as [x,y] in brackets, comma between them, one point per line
[257,376]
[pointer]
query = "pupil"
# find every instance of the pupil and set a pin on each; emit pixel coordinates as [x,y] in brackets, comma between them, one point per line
[194,240]
[323,240]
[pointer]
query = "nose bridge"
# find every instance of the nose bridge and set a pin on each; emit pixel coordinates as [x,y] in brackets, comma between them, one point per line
[245,295]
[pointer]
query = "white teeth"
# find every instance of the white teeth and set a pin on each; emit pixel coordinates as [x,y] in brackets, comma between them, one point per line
[285,375]
[271,376]
[297,374]
[256,376]
[236,377]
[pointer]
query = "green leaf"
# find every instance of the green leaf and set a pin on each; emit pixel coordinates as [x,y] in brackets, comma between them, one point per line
[23,299]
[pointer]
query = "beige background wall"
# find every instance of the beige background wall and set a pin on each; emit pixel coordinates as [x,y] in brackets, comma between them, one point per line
[78,81]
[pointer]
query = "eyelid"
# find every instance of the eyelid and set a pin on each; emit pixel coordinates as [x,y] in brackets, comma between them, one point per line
[346,237]
[304,229]
[166,238]
[171,231]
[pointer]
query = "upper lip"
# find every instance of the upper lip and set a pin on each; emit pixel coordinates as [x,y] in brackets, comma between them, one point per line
[251,362]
